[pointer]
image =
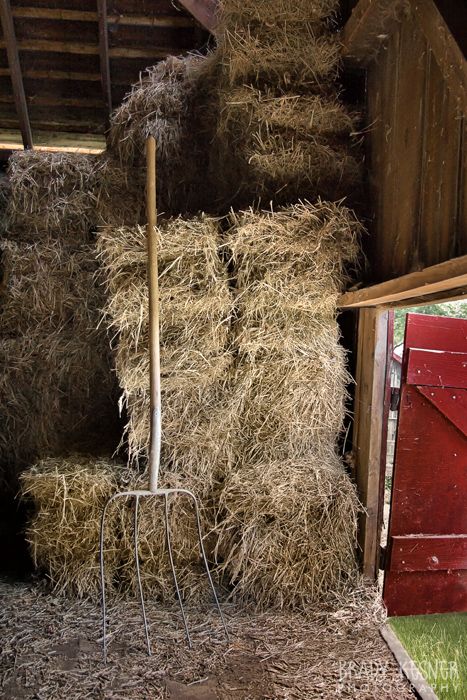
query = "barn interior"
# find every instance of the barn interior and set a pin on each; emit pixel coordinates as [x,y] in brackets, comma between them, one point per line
[311,178]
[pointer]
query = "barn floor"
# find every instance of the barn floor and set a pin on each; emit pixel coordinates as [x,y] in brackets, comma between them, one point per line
[50,651]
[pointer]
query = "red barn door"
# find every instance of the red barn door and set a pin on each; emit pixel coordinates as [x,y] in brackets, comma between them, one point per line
[426,562]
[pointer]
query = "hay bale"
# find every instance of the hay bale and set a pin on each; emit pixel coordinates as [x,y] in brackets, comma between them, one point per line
[52,194]
[195,311]
[288,531]
[119,193]
[48,285]
[56,394]
[234,13]
[287,54]
[68,495]
[173,102]
[156,574]
[284,146]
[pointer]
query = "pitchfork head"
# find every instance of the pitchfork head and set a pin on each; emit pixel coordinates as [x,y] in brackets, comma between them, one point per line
[137,495]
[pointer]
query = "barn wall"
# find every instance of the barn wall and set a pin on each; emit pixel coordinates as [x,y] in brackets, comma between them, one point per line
[416,150]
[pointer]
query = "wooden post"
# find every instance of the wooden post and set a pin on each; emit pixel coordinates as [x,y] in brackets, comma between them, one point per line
[15,72]
[104,58]
[369,429]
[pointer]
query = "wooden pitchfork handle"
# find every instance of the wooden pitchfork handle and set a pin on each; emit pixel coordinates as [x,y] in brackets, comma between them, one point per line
[154,338]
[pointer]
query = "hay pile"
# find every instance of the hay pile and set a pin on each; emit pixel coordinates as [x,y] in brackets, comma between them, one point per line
[52,195]
[287,518]
[282,134]
[173,103]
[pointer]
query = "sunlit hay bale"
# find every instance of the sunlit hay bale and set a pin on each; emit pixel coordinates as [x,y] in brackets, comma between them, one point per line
[309,244]
[195,307]
[196,429]
[68,495]
[57,393]
[285,146]
[287,535]
[299,54]
[120,192]
[53,194]
[233,13]
[175,103]
[156,574]
[290,404]
[48,285]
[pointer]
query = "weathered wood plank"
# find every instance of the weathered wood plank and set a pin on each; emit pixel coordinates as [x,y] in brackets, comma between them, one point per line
[368,430]
[367,27]
[205,11]
[447,275]
[11,46]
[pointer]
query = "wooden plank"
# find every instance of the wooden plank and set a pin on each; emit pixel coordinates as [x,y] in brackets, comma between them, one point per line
[437,278]
[368,430]
[90,16]
[104,58]
[77,47]
[428,552]
[452,404]
[204,11]
[367,28]
[413,675]
[15,72]
[407,148]
[435,368]
[54,141]
[447,52]
[436,333]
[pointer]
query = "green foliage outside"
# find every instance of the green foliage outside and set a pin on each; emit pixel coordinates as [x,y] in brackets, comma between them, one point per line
[456,309]
[438,646]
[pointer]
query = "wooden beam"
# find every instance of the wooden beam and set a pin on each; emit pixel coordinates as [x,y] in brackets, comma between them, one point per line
[447,53]
[205,11]
[89,16]
[104,58]
[367,28]
[76,47]
[369,430]
[451,274]
[10,140]
[15,72]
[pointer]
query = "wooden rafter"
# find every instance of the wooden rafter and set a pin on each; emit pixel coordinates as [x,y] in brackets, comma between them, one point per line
[205,11]
[104,58]
[15,73]
[367,27]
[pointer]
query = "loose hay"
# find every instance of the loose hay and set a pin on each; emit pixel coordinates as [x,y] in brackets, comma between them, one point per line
[68,495]
[284,146]
[52,194]
[288,531]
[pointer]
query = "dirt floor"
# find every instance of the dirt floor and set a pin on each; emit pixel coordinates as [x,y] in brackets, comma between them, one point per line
[51,651]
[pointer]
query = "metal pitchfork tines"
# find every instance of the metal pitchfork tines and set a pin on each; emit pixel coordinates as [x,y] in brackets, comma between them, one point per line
[155,430]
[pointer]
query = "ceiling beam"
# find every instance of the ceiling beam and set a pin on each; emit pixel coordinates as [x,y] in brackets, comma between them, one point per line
[205,11]
[104,58]
[15,73]
[76,47]
[449,275]
[89,16]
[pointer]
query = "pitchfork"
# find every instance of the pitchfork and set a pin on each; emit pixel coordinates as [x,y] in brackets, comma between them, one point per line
[155,429]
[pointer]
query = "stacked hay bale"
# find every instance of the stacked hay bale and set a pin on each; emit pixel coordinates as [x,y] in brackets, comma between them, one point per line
[288,510]
[69,495]
[195,308]
[175,103]
[282,133]
[56,389]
